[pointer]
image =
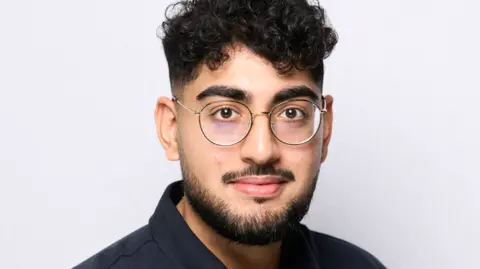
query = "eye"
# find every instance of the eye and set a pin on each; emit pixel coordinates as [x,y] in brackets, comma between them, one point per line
[225,113]
[293,113]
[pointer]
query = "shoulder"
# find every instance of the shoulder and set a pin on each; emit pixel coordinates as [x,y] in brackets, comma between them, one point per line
[333,252]
[123,253]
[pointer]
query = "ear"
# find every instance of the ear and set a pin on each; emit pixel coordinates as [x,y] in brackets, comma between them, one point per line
[166,122]
[327,126]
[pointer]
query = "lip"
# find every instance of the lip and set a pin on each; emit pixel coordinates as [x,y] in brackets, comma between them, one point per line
[259,186]
[260,180]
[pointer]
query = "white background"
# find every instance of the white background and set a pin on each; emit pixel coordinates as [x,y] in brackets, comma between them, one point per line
[80,165]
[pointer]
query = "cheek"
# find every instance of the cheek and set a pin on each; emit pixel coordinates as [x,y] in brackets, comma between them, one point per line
[205,160]
[194,147]
[304,161]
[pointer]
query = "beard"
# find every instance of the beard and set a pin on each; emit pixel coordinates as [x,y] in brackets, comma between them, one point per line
[260,228]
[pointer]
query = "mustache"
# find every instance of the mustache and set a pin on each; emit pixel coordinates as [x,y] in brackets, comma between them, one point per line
[264,170]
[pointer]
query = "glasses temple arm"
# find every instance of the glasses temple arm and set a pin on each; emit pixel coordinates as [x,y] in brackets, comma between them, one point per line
[324,105]
[175,100]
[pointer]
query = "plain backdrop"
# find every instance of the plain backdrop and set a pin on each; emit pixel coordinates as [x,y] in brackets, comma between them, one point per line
[80,164]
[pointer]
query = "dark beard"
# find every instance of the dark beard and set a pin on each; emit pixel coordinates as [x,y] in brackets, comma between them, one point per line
[262,229]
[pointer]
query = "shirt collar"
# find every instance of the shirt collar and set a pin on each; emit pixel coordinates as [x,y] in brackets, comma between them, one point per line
[174,237]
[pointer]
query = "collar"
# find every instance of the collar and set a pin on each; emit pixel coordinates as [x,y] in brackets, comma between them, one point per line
[175,239]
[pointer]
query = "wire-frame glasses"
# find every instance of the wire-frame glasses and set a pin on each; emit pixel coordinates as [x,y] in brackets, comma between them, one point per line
[227,122]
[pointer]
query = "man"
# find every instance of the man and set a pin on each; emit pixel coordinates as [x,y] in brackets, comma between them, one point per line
[250,126]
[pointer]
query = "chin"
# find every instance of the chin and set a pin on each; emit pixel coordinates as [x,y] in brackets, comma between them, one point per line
[259,205]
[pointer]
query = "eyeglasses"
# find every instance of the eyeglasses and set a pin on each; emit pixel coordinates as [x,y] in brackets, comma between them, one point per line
[225,122]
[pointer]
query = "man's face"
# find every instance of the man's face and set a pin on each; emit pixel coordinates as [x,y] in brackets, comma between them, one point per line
[247,213]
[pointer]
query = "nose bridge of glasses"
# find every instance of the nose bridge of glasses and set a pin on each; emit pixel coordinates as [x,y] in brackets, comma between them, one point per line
[260,133]
[261,126]
[261,113]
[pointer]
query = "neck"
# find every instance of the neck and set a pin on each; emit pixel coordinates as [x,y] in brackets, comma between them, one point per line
[232,255]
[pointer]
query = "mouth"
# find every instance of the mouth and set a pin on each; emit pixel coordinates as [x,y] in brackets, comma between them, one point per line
[259,186]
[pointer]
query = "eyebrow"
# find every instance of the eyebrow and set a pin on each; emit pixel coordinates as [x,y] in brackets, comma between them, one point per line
[294,92]
[224,91]
[243,96]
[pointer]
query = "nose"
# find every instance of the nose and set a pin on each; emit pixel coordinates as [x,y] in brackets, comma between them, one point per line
[260,147]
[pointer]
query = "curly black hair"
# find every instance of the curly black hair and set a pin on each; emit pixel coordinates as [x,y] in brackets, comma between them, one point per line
[291,34]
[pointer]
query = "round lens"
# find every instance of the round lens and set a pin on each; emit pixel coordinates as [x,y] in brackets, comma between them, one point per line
[225,122]
[296,121]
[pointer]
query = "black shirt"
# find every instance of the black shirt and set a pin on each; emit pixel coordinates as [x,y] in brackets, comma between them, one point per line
[168,243]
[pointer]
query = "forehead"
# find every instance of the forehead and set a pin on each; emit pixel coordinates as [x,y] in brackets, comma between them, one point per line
[247,71]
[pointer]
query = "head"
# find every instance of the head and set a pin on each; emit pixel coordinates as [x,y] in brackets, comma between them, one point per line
[250,155]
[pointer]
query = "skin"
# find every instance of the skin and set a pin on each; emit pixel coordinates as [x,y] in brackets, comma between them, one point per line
[178,131]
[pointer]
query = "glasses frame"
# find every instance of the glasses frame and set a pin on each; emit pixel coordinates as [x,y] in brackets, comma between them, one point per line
[323,110]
